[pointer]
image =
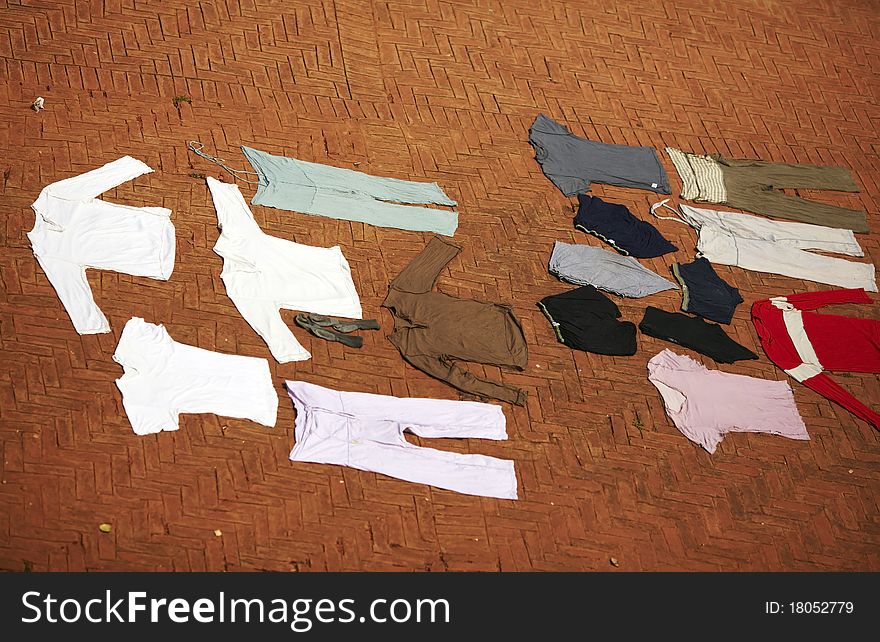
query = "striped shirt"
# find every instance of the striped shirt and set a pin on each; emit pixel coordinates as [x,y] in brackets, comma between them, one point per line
[701,176]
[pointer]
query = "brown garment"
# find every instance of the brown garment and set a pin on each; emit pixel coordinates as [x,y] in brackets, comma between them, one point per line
[754,186]
[434,330]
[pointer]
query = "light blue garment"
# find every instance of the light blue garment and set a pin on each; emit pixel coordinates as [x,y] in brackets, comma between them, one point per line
[312,188]
[609,271]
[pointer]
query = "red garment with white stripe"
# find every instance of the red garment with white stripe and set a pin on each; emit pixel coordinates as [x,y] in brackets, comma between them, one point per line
[805,343]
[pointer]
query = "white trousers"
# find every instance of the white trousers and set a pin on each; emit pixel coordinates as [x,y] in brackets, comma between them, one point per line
[777,247]
[365,431]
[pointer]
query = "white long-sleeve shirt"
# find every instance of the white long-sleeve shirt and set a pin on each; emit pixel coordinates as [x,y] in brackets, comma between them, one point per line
[264,274]
[74,231]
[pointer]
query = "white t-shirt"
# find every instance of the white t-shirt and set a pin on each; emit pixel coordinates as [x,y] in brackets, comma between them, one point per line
[164,378]
[75,231]
[264,274]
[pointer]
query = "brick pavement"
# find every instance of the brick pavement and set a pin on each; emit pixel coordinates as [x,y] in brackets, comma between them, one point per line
[426,90]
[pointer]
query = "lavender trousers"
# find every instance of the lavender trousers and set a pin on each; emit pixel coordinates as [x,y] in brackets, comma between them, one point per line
[365,431]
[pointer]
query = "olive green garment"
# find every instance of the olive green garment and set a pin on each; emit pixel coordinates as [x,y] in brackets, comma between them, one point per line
[434,331]
[754,186]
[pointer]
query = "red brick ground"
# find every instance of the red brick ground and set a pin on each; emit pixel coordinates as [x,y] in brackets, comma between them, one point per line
[424,90]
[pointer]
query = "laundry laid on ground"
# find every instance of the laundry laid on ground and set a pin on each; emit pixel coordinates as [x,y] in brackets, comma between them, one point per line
[754,186]
[777,247]
[75,231]
[572,163]
[805,344]
[163,379]
[312,188]
[617,226]
[705,293]
[707,404]
[609,271]
[365,431]
[695,333]
[434,331]
[438,333]
[264,274]
[585,319]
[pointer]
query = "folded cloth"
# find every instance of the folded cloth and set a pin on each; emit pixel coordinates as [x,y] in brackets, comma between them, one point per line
[621,275]
[693,332]
[705,293]
[343,325]
[304,321]
[615,224]
[585,319]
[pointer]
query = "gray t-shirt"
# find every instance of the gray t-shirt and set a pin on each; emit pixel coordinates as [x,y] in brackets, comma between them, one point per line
[572,163]
[622,275]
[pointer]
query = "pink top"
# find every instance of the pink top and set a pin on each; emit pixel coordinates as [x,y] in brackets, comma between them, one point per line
[706,404]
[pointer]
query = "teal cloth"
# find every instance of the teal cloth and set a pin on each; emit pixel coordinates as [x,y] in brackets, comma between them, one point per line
[312,188]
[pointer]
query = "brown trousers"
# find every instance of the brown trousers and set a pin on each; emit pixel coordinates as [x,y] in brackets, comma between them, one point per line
[754,186]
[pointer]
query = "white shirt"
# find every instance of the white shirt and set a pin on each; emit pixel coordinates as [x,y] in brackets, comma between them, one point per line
[264,274]
[75,231]
[164,378]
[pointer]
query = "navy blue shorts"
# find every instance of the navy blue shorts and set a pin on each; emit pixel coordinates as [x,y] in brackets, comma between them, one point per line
[705,293]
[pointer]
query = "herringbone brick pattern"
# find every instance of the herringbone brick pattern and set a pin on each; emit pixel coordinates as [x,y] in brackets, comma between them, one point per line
[427,90]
